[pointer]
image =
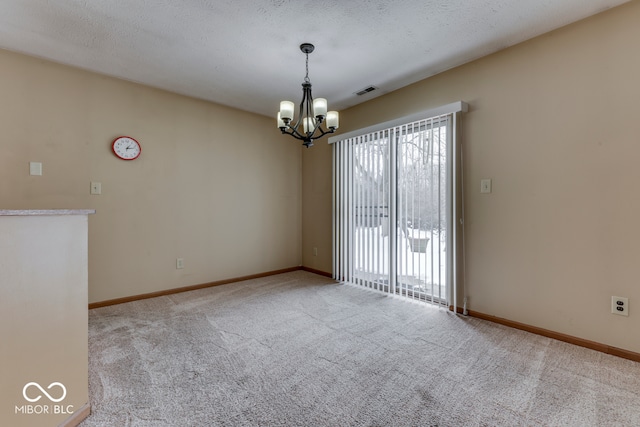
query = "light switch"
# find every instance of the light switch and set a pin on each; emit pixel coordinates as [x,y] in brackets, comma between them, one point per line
[35,168]
[485,186]
[96,188]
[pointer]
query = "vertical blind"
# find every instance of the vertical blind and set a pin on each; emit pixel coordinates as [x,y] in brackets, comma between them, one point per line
[394,193]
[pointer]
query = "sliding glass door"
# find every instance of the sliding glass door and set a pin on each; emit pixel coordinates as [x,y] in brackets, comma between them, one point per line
[393,209]
[422,204]
[371,209]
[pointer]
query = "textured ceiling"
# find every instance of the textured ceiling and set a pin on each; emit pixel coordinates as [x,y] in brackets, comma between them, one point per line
[244,53]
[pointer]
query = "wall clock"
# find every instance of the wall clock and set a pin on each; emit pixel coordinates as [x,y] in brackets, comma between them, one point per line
[126,148]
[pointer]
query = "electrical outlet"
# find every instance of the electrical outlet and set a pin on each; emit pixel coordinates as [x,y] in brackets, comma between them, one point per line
[315,251]
[179,263]
[620,305]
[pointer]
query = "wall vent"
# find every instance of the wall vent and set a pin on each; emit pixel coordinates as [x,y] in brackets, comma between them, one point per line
[366,90]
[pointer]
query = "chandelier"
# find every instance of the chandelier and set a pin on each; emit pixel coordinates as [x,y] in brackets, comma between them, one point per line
[311,114]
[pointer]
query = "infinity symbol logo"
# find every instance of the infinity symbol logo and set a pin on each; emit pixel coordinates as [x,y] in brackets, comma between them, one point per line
[64,391]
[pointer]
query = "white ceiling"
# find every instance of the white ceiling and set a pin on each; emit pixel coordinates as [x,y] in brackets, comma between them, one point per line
[245,54]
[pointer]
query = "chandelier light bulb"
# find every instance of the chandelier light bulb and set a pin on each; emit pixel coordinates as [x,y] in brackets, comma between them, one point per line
[308,125]
[286,110]
[320,108]
[333,120]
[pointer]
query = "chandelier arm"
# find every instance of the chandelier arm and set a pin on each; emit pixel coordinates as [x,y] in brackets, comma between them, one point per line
[307,104]
[322,132]
[293,128]
[293,132]
[306,137]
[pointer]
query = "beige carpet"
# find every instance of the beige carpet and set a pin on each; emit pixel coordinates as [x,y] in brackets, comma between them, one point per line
[298,350]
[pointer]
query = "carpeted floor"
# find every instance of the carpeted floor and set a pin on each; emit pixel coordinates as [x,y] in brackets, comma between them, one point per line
[299,350]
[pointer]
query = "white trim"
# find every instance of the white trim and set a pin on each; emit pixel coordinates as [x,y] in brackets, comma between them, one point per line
[454,107]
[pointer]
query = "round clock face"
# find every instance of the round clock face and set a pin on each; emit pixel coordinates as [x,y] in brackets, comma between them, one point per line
[126,148]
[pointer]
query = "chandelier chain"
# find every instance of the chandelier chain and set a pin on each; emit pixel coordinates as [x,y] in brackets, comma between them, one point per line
[306,77]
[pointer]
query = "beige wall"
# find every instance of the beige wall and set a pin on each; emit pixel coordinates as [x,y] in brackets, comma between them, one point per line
[554,123]
[218,187]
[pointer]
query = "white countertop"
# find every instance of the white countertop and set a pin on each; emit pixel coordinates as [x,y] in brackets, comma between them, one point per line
[45,212]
